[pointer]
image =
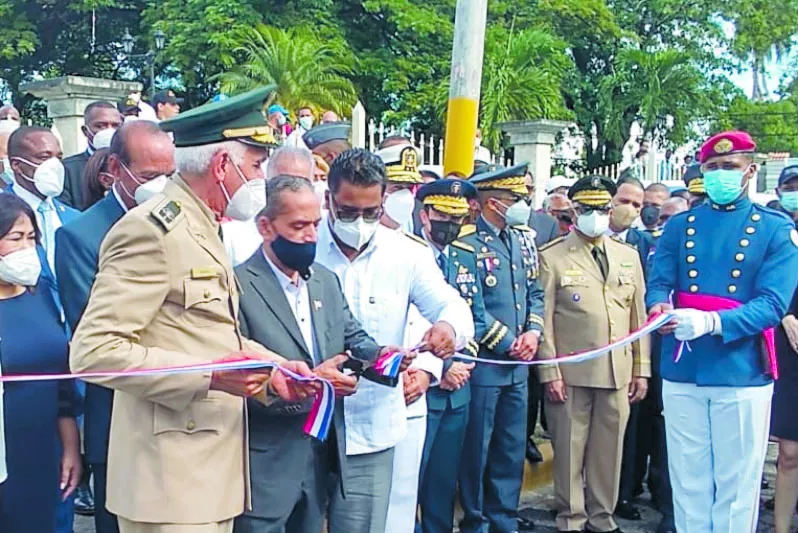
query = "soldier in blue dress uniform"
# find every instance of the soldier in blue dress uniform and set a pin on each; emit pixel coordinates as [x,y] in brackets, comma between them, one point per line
[731,267]
[445,208]
[507,264]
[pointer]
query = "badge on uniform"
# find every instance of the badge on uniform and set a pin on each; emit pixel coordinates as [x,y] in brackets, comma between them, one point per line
[316,305]
[491,280]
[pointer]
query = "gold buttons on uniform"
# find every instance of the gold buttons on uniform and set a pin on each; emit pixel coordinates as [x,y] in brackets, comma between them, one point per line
[744,242]
[736,273]
[691,231]
[515,267]
[739,257]
[693,273]
[732,288]
[518,306]
[691,259]
[191,425]
[693,288]
[689,244]
[691,218]
[750,230]
[516,286]
[756,217]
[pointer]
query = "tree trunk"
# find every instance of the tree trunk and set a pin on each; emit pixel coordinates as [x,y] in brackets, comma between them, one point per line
[755,94]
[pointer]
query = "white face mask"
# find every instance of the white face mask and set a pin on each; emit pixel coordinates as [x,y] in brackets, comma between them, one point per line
[145,189]
[320,187]
[399,206]
[48,177]
[21,267]
[355,234]
[102,139]
[306,122]
[518,213]
[248,200]
[281,120]
[593,223]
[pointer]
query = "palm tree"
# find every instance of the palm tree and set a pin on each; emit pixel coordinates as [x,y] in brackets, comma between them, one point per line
[306,71]
[650,86]
[522,79]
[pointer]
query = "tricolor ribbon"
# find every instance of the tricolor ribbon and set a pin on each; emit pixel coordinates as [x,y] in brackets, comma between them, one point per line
[653,324]
[319,418]
[387,365]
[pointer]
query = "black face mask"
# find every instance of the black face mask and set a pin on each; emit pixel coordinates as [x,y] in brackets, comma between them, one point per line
[295,255]
[649,215]
[444,233]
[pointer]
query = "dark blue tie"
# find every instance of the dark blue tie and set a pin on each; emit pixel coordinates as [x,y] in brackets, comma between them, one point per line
[442,262]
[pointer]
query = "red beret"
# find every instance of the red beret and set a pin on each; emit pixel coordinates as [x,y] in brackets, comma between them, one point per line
[728,142]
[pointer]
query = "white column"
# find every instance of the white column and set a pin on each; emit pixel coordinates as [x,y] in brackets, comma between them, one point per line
[533,140]
[67,98]
[358,126]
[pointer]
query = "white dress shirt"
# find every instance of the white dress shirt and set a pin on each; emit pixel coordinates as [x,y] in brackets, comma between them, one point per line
[241,239]
[621,236]
[380,284]
[119,198]
[295,139]
[299,302]
[48,242]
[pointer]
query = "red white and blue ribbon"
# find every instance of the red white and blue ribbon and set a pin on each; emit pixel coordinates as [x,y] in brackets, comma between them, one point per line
[319,419]
[653,324]
[388,364]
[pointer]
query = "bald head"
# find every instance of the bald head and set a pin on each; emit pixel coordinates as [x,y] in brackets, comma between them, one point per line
[140,139]
[329,116]
[672,206]
[9,112]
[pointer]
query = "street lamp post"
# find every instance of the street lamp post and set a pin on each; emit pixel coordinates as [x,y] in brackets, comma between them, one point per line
[128,41]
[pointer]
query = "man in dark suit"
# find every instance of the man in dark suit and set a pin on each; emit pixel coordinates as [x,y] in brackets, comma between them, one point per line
[97,116]
[296,307]
[140,153]
[627,204]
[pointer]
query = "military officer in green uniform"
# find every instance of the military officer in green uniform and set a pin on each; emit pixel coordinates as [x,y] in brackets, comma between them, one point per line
[507,263]
[445,208]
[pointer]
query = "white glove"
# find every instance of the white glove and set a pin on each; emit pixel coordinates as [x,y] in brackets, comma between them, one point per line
[692,323]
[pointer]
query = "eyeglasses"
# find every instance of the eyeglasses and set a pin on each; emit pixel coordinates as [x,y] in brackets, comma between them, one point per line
[345,213]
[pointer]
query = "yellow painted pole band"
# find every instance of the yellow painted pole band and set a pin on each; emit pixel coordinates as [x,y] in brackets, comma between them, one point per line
[461,129]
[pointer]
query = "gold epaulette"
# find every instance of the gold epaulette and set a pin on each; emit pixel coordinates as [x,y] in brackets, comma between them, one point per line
[167,213]
[468,229]
[463,246]
[414,237]
[551,243]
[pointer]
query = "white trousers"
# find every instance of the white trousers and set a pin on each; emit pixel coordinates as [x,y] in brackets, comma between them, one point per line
[717,439]
[404,485]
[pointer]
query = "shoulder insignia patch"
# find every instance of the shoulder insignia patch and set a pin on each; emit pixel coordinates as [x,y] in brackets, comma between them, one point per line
[468,229]
[167,214]
[551,243]
[463,246]
[415,237]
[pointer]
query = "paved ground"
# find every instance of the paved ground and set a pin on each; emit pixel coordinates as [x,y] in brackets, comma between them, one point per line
[538,497]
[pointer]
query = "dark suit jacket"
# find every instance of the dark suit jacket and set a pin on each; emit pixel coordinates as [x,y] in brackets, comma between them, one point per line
[77,248]
[545,226]
[275,431]
[643,242]
[74,166]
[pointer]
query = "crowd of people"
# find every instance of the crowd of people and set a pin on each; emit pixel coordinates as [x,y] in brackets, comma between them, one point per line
[223,233]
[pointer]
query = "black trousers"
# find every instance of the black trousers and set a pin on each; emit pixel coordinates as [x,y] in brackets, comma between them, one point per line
[104,521]
[536,404]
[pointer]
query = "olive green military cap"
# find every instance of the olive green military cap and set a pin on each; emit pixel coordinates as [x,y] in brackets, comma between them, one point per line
[238,118]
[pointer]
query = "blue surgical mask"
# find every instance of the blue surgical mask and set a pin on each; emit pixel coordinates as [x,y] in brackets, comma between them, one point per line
[723,186]
[789,201]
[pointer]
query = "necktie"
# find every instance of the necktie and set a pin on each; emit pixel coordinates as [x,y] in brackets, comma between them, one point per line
[48,237]
[442,262]
[504,235]
[598,255]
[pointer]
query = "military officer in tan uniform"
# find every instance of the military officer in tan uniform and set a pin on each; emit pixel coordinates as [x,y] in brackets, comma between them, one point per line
[594,294]
[165,295]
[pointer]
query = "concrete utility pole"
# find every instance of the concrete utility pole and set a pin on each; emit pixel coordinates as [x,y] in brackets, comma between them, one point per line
[463,109]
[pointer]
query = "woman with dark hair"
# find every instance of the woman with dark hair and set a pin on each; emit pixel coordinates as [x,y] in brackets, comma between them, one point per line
[96,179]
[38,416]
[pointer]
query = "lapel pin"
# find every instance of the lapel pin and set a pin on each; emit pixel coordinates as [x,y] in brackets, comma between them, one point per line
[316,304]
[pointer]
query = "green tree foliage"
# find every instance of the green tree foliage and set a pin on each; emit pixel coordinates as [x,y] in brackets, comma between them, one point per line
[773,124]
[306,71]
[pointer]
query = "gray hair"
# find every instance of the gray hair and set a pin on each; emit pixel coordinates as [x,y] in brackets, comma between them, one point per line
[275,188]
[290,161]
[547,200]
[196,160]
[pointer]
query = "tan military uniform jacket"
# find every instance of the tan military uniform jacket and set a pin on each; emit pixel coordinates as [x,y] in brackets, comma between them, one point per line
[165,295]
[584,311]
